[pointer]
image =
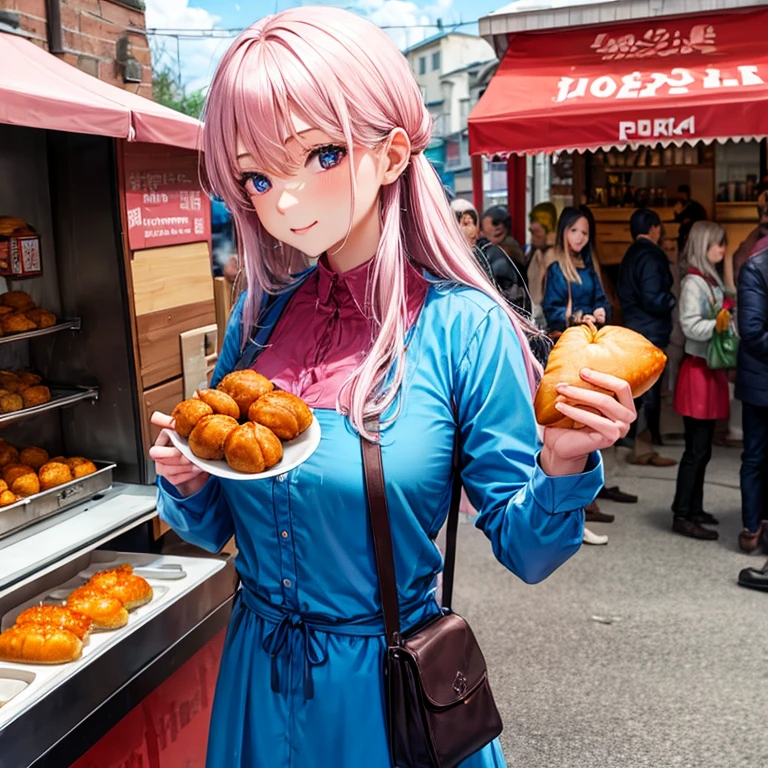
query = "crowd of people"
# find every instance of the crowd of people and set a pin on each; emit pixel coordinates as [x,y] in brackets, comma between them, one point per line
[711,300]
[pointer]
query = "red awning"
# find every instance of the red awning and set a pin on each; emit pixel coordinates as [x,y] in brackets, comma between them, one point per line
[40,91]
[673,80]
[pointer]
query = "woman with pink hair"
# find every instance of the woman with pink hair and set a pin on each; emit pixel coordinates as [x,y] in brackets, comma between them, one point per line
[315,137]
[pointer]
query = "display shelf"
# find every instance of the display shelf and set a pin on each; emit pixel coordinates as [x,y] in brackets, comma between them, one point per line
[61,397]
[64,325]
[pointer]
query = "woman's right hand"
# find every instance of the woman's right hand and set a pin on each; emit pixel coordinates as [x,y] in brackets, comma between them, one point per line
[171,464]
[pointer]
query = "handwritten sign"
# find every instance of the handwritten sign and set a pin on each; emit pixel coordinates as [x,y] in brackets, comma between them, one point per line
[165,204]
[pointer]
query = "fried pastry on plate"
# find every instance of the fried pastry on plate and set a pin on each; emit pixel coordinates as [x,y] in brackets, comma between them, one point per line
[285,414]
[33,456]
[54,473]
[28,379]
[12,471]
[39,644]
[42,318]
[206,440]
[81,467]
[132,590]
[106,611]
[220,401]
[11,382]
[11,402]
[26,485]
[17,300]
[252,448]
[16,322]
[187,413]
[77,623]
[245,387]
[37,395]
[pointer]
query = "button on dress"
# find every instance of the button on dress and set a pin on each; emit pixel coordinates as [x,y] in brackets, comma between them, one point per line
[301,676]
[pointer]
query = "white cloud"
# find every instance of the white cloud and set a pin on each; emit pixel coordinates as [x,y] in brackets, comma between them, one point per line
[198,57]
[404,13]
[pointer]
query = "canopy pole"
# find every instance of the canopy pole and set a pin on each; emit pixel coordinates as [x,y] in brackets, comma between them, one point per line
[477,183]
[516,195]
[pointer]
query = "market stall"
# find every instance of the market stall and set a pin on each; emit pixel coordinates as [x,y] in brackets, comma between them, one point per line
[101,212]
[641,106]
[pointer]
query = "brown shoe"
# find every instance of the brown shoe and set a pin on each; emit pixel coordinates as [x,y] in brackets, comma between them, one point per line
[592,514]
[749,542]
[689,528]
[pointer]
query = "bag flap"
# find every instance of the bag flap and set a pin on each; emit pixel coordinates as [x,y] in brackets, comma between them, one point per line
[449,661]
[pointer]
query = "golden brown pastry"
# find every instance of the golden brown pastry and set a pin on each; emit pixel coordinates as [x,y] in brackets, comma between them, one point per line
[27,378]
[612,349]
[130,589]
[37,395]
[11,402]
[81,467]
[206,440]
[26,485]
[77,623]
[39,644]
[12,471]
[3,486]
[34,457]
[188,413]
[106,611]
[11,382]
[245,387]
[42,318]
[220,401]
[252,448]
[285,414]
[17,300]
[54,473]
[16,322]
[5,310]
[8,455]
[7,498]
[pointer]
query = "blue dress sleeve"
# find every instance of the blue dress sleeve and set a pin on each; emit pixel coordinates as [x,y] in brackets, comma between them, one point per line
[204,518]
[555,301]
[534,522]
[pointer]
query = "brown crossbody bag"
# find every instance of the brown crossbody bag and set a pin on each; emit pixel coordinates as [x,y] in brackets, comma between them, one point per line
[439,705]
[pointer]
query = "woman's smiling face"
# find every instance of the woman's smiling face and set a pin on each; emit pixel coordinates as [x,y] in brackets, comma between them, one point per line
[311,209]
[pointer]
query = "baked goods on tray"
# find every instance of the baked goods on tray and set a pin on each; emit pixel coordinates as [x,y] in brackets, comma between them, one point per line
[611,349]
[268,416]
[20,389]
[39,644]
[64,618]
[19,313]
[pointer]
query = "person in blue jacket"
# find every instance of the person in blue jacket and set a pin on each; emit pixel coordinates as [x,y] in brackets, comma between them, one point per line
[396,322]
[752,390]
[647,301]
[574,293]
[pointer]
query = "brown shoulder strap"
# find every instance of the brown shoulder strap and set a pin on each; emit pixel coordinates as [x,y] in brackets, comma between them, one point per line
[382,535]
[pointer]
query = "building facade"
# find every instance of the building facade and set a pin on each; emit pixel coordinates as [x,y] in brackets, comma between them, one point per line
[447,67]
[104,38]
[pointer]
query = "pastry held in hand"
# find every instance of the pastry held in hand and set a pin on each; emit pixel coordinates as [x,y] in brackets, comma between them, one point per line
[252,448]
[611,349]
[285,414]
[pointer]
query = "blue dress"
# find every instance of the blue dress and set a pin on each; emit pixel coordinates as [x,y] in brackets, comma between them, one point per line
[301,676]
[586,296]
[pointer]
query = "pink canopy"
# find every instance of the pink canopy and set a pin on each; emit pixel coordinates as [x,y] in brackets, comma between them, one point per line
[40,91]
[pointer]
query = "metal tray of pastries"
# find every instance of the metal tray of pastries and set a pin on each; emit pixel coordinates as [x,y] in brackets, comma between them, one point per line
[34,508]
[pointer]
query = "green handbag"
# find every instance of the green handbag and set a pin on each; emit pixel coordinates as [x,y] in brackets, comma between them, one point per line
[723,348]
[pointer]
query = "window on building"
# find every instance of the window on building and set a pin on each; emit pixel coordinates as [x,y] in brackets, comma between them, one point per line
[423,90]
[436,60]
[422,65]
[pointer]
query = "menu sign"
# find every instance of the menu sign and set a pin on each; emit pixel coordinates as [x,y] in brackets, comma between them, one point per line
[165,204]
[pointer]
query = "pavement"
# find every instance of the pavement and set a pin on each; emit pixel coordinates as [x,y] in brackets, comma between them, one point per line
[643,652]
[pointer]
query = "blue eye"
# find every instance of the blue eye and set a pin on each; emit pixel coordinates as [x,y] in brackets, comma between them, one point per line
[328,157]
[256,183]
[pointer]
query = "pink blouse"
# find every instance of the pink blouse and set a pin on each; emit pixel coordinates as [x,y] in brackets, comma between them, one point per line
[325,331]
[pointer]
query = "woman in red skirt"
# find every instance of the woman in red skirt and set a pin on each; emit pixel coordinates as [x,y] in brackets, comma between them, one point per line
[701,395]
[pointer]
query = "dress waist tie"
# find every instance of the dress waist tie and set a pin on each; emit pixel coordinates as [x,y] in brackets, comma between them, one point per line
[278,640]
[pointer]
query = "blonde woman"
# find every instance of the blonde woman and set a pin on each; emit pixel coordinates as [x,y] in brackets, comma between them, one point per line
[701,394]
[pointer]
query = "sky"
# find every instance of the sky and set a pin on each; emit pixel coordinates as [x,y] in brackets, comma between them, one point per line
[198,57]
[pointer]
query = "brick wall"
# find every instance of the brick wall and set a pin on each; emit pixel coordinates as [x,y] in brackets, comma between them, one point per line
[91,29]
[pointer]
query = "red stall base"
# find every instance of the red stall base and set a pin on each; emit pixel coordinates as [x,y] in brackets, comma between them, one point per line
[169,728]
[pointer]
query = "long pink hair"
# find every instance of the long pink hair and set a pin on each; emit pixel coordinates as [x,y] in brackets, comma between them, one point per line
[343,75]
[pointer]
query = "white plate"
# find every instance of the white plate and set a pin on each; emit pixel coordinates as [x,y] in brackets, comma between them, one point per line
[295,452]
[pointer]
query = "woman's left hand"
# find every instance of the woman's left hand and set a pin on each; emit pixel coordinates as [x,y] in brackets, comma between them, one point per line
[608,419]
[600,316]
